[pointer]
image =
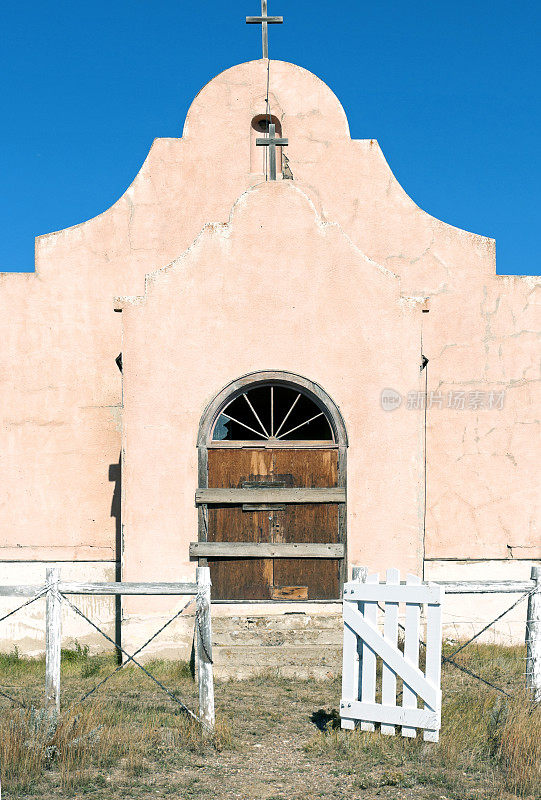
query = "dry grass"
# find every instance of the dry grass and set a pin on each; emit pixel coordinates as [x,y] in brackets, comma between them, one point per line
[83,743]
[124,728]
[519,747]
[483,741]
[130,741]
[486,738]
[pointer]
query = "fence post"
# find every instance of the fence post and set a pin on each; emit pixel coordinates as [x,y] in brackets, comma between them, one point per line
[533,637]
[53,639]
[352,655]
[204,648]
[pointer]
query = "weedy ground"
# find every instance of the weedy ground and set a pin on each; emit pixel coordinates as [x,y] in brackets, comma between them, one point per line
[275,739]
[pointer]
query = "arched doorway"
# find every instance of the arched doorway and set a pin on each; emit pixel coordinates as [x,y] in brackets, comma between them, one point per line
[271,496]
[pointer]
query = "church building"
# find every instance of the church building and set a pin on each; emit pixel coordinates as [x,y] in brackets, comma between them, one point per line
[267,358]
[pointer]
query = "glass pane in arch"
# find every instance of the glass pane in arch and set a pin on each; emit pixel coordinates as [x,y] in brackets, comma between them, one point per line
[272,412]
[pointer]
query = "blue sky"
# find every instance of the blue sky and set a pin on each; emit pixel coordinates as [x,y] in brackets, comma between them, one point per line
[449,89]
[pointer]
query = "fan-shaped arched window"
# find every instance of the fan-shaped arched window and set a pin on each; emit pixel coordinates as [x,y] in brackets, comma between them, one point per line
[272,412]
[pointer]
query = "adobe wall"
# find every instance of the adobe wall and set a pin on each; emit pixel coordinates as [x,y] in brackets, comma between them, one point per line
[274,288]
[60,389]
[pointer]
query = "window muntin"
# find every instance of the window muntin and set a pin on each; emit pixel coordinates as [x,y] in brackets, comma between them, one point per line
[272,413]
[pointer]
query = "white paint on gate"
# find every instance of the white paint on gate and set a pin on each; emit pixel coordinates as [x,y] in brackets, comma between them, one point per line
[365,647]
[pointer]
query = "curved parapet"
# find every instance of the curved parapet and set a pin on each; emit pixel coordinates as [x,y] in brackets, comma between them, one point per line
[185,182]
[294,92]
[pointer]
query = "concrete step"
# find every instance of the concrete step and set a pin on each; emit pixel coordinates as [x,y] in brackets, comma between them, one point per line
[289,620]
[306,645]
[276,638]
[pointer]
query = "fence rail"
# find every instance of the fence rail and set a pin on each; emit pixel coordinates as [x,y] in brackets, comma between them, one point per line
[531,589]
[55,591]
[486,587]
[69,587]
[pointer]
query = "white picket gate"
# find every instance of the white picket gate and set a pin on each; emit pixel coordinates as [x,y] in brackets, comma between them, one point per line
[366,648]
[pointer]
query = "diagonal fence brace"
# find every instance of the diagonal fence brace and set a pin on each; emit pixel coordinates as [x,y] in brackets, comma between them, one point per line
[498,618]
[37,596]
[137,663]
[148,641]
[461,667]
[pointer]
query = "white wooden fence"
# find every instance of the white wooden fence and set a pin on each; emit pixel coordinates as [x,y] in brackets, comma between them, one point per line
[55,589]
[364,645]
[532,589]
[364,596]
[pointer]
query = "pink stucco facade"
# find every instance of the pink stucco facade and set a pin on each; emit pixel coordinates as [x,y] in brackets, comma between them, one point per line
[202,272]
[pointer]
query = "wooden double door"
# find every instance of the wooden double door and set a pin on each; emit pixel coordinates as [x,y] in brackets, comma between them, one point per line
[307,522]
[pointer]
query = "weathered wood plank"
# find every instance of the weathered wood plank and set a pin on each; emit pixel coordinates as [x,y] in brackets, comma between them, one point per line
[21,590]
[336,603]
[412,717]
[272,444]
[411,654]
[410,674]
[481,587]
[358,575]
[246,579]
[68,587]
[393,594]
[533,637]
[266,550]
[289,592]
[299,495]
[433,662]
[350,661]
[276,143]
[455,587]
[368,657]
[390,633]
[53,639]
[204,650]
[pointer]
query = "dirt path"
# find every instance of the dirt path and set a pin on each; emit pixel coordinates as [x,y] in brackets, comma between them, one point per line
[269,745]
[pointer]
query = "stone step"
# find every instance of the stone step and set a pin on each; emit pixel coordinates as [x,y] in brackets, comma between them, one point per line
[276,656]
[298,644]
[287,621]
[301,661]
[304,672]
[277,638]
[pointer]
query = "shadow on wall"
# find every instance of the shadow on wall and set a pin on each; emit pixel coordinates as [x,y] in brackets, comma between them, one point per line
[115,476]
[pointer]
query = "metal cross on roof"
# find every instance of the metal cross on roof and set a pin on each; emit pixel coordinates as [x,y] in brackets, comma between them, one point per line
[272,142]
[264,21]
